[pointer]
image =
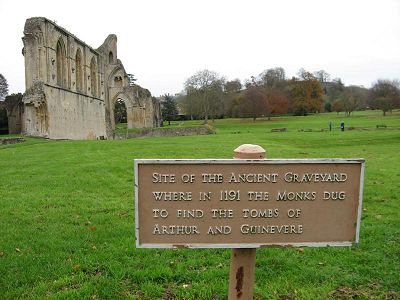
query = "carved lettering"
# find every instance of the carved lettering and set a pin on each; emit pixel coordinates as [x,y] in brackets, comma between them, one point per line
[163,178]
[172,196]
[189,213]
[188,178]
[230,195]
[175,229]
[222,213]
[334,195]
[260,213]
[212,178]
[205,196]
[271,229]
[315,177]
[296,196]
[214,230]
[258,196]
[253,178]
[294,213]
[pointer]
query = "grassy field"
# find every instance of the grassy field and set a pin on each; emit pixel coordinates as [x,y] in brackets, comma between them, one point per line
[67,217]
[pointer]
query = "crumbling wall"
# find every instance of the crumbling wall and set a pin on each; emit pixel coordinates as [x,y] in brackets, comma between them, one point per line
[64,79]
[14,107]
[36,116]
[71,88]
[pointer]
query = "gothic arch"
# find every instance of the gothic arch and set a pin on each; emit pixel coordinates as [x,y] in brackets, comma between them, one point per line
[120,111]
[93,76]
[4,124]
[110,57]
[111,77]
[61,60]
[124,97]
[128,105]
[78,71]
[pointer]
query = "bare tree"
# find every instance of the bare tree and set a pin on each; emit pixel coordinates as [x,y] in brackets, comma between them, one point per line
[3,87]
[205,89]
[254,102]
[232,94]
[233,86]
[352,99]
[322,76]
[385,95]
[273,78]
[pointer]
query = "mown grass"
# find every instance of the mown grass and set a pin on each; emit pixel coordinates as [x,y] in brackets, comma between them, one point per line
[67,217]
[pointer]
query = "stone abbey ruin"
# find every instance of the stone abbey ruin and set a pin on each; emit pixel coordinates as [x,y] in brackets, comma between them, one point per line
[71,88]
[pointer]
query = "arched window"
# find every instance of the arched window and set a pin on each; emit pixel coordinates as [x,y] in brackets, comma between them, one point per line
[93,76]
[110,58]
[78,64]
[117,81]
[61,63]
[120,115]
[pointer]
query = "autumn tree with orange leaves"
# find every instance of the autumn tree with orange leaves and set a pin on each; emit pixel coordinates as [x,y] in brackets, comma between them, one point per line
[278,102]
[306,93]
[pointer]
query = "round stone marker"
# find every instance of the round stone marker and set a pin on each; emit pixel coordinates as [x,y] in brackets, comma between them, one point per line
[249,151]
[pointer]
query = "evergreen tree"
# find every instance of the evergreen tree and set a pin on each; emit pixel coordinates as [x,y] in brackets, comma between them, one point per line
[169,108]
[3,87]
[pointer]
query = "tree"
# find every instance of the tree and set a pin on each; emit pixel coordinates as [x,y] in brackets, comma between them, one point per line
[353,98]
[328,107]
[254,102]
[385,95]
[306,93]
[278,102]
[3,87]
[131,79]
[334,89]
[169,108]
[205,92]
[232,90]
[233,86]
[337,105]
[273,78]
[322,76]
[120,115]
[180,99]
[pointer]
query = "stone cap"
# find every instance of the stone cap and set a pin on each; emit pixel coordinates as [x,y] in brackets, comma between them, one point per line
[249,151]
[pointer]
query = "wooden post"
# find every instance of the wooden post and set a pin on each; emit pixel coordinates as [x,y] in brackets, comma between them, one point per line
[243,261]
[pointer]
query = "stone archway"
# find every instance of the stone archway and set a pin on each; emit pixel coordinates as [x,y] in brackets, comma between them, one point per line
[120,114]
[61,62]
[3,121]
[119,103]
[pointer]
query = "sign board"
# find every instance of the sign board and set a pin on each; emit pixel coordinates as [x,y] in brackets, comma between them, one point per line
[231,203]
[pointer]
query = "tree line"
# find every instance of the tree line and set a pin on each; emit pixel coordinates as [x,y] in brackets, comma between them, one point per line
[208,95]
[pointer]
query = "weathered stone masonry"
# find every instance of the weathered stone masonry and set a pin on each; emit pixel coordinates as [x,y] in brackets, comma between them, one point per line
[71,88]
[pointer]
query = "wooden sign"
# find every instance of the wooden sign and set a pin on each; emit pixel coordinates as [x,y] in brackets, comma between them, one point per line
[228,203]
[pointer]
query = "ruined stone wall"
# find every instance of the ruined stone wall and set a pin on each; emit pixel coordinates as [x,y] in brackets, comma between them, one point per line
[14,106]
[71,88]
[65,84]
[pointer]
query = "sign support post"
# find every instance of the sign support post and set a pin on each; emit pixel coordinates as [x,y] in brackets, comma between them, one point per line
[243,261]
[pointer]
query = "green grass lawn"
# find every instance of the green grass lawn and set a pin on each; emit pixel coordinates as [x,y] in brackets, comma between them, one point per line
[67,217]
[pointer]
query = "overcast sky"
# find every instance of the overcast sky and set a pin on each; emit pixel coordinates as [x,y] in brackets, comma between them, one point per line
[165,42]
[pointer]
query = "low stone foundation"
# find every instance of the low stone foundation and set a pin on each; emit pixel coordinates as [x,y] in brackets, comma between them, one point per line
[159,132]
[9,141]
